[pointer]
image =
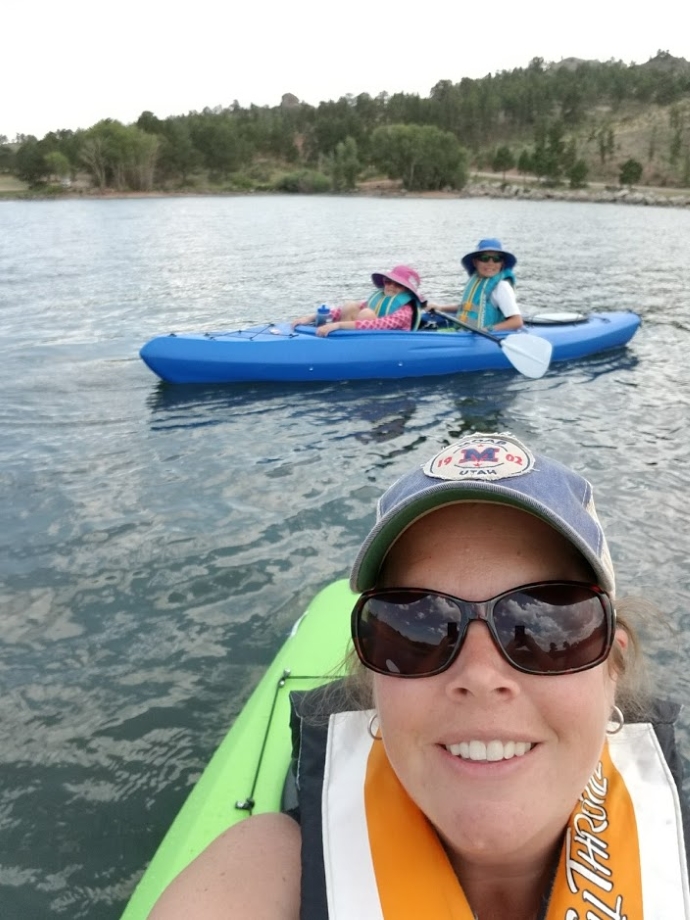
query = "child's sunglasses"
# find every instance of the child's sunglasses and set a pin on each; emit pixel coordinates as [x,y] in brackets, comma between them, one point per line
[552,627]
[487,257]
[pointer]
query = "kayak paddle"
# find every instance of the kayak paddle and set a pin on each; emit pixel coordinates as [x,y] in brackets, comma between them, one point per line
[529,354]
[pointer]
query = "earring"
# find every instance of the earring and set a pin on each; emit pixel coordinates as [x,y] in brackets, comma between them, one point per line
[373,727]
[618,720]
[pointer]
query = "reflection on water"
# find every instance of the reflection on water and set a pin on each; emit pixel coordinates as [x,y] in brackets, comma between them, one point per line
[159,541]
[361,411]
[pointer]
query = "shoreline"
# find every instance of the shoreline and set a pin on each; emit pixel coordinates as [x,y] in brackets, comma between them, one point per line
[644,196]
[595,193]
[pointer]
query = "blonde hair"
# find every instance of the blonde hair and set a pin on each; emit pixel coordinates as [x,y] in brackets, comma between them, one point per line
[634,690]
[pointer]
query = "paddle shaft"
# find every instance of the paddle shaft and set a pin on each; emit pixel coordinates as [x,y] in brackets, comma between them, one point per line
[459,322]
[530,355]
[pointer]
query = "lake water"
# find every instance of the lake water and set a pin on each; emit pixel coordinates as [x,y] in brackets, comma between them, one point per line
[158,542]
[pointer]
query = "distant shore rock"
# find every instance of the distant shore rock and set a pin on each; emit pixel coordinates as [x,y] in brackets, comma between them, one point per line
[654,198]
[538,192]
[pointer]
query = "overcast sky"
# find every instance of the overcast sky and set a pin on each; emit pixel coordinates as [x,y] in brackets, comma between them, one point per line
[69,64]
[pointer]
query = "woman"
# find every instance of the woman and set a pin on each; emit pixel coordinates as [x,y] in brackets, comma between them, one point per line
[493,776]
[488,301]
[395,304]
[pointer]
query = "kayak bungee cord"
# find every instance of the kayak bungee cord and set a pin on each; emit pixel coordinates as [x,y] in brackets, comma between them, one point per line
[248,803]
[251,333]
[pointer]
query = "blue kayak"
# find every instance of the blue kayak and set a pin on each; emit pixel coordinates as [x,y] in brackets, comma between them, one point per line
[276,352]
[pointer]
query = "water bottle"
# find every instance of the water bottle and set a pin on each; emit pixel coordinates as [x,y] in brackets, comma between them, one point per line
[323,315]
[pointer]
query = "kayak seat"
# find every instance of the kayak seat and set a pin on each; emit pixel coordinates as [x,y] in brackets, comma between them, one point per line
[554,319]
[288,800]
[315,707]
[434,321]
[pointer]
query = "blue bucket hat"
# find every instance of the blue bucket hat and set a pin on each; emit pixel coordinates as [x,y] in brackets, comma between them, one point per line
[493,468]
[490,244]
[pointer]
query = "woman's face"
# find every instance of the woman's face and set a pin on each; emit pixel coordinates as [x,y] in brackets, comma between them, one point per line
[491,811]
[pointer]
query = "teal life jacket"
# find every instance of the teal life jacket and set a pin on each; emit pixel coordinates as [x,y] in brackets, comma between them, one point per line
[476,307]
[384,306]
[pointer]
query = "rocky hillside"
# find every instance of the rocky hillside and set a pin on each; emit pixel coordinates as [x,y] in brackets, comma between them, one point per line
[650,124]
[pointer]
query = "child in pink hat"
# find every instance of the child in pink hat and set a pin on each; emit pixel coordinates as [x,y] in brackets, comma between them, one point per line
[395,304]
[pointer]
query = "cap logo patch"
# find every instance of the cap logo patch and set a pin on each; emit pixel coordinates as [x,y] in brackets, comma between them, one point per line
[479,457]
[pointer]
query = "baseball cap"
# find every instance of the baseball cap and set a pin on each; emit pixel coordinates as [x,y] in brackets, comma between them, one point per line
[495,468]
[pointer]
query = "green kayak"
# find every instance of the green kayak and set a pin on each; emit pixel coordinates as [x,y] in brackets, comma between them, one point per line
[247,773]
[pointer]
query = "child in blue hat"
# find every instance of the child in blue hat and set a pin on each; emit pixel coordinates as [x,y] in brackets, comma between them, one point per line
[488,301]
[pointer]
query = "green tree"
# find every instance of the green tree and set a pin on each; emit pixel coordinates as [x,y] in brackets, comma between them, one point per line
[141,153]
[555,150]
[407,108]
[345,165]
[668,88]
[446,102]
[503,160]
[120,156]
[573,104]
[30,163]
[178,157]
[577,174]
[94,156]
[605,139]
[220,140]
[525,163]
[58,165]
[148,122]
[7,163]
[425,158]
[549,156]
[333,123]
[305,181]
[539,155]
[630,173]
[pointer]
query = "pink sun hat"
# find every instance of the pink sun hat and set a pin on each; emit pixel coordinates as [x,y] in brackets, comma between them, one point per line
[404,275]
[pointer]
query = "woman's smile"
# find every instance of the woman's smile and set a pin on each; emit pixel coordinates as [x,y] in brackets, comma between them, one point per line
[492,751]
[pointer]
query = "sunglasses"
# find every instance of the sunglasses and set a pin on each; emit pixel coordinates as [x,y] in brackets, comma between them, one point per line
[552,627]
[487,257]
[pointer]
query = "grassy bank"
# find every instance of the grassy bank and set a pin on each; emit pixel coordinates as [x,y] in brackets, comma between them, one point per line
[11,186]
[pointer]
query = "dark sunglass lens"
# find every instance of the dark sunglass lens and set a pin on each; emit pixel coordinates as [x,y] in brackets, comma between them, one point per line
[550,629]
[406,634]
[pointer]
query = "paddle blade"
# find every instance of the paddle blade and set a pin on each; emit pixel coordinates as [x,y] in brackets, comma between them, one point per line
[529,354]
